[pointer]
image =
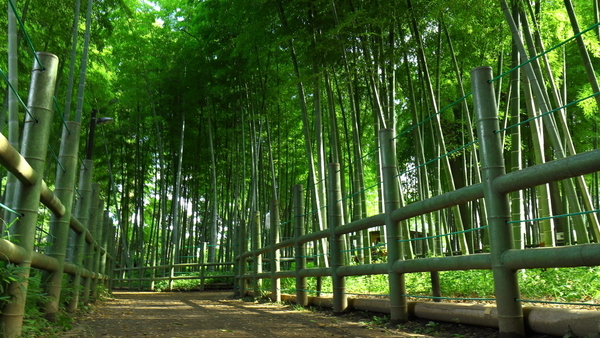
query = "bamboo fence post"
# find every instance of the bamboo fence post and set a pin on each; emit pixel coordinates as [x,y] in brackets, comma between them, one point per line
[391,194]
[96,261]
[275,254]
[256,258]
[300,248]
[335,218]
[89,247]
[510,313]
[104,243]
[113,261]
[202,264]
[242,261]
[81,213]
[59,226]
[27,197]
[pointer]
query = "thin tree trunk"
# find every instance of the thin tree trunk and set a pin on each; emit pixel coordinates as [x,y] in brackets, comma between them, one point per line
[213,223]
[177,234]
[84,59]
[13,106]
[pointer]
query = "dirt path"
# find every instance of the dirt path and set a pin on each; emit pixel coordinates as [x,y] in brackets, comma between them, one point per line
[218,314]
[191,314]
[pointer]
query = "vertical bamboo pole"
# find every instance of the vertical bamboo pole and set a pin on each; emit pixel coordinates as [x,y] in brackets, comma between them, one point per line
[111,244]
[81,213]
[97,255]
[202,264]
[335,218]
[301,295]
[275,254]
[398,304]
[242,262]
[27,197]
[89,247]
[59,227]
[510,313]
[105,244]
[257,259]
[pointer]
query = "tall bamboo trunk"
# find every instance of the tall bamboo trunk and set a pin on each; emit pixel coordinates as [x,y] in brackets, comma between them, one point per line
[318,193]
[213,223]
[13,106]
[445,163]
[534,74]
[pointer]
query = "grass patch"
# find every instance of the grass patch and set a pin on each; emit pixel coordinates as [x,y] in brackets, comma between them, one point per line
[581,284]
[193,284]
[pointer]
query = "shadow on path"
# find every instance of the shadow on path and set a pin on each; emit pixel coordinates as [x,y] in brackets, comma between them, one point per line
[215,314]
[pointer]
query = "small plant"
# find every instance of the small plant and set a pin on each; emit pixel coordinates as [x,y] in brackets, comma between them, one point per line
[380,320]
[297,307]
[432,327]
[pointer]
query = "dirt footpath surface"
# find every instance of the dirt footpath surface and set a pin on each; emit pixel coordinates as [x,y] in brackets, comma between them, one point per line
[218,314]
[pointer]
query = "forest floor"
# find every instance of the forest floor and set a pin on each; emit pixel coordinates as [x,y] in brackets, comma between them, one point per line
[218,314]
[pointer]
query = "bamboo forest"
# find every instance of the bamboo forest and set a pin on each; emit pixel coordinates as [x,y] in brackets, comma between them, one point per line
[356,154]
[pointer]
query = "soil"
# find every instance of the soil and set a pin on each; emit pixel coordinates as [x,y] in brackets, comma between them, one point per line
[218,314]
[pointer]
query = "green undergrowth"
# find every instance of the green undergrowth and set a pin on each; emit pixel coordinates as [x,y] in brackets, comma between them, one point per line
[580,284]
[34,322]
[193,284]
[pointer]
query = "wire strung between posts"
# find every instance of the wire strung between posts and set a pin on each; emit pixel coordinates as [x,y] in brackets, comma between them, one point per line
[545,52]
[546,113]
[365,248]
[56,158]
[556,216]
[62,117]
[448,234]
[559,303]
[437,158]
[450,298]
[17,95]
[46,232]
[365,294]
[311,291]
[432,116]
[284,223]
[314,211]
[361,191]
[12,5]
[317,255]
[321,180]
[83,163]
[11,210]
[361,158]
